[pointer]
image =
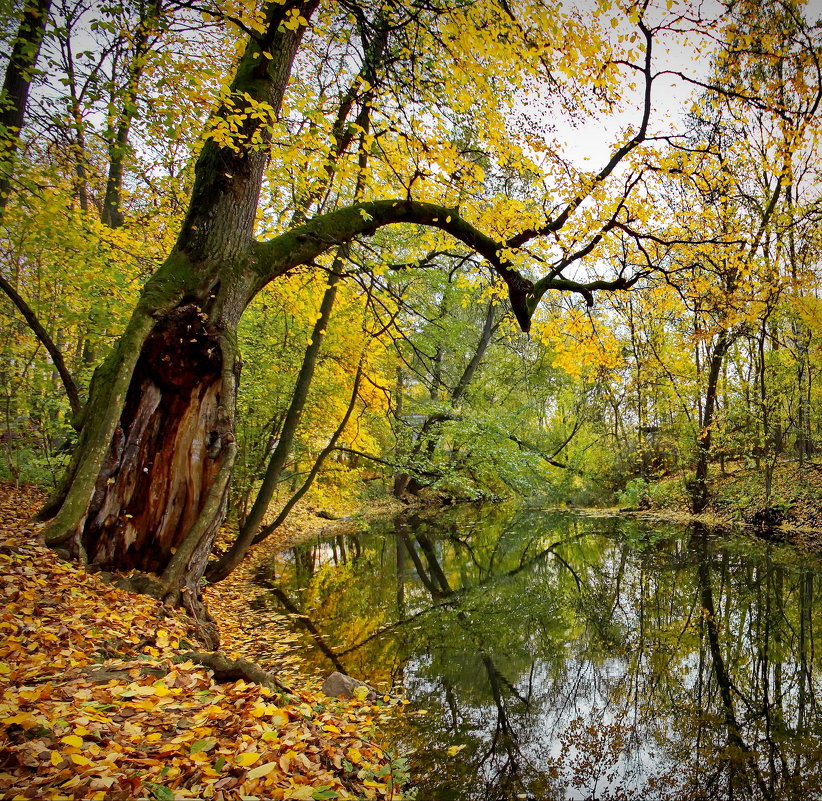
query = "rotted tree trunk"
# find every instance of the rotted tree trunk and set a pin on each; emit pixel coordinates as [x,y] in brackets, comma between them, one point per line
[167,446]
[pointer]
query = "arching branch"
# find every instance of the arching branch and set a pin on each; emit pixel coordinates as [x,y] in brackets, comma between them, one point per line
[303,244]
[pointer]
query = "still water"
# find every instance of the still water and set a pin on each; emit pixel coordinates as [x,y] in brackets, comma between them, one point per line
[562,656]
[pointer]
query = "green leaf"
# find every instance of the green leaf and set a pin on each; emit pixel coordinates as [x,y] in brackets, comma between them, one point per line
[198,746]
[324,793]
[160,792]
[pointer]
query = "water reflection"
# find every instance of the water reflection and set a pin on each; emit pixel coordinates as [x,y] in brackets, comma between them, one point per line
[573,657]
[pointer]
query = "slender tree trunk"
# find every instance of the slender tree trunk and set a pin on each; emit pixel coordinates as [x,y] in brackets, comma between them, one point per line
[699,485]
[15,93]
[431,429]
[52,348]
[111,212]
[282,450]
[318,462]
[78,128]
[13,102]
[769,435]
[801,338]
[400,479]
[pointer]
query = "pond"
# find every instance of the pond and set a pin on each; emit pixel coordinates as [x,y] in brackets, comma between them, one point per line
[563,656]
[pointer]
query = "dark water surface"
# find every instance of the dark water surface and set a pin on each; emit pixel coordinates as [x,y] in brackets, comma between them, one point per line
[561,656]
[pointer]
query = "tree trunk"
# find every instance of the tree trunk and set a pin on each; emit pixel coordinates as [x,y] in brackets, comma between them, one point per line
[431,430]
[15,92]
[252,523]
[699,485]
[165,450]
[111,212]
[160,421]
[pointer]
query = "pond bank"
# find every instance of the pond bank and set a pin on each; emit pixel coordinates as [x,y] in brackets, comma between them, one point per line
[790,513]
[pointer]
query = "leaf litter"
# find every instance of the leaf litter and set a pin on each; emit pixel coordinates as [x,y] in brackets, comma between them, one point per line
[97,700]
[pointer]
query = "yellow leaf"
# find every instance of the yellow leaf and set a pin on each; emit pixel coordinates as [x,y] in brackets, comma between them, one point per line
[279,718]
[73,740]
[301,793]
[55,758]
[248,758]
[454,750]
[79,759]
[24,719]
[261,770]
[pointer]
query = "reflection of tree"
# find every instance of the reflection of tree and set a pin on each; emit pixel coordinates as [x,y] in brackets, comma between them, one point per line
[507,774]
[564,654]
[305,622]
[760,661]
[737,773]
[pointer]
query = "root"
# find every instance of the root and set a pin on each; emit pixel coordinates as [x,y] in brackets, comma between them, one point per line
[205,629]
[226,669]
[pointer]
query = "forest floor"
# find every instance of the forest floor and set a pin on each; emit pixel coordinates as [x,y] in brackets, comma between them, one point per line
[98,699]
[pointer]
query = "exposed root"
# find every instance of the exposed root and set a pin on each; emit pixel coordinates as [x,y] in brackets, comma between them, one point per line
[226,669]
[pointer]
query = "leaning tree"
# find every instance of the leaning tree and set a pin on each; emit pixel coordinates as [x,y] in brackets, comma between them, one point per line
[146,489]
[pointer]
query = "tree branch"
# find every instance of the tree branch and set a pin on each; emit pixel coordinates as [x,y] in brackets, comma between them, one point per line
[69,384]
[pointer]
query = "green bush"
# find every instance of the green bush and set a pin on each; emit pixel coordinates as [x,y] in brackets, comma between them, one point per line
[636,494]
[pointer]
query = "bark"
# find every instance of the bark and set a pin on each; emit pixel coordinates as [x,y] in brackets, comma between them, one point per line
[78,126]
[225,669]
[15,92]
